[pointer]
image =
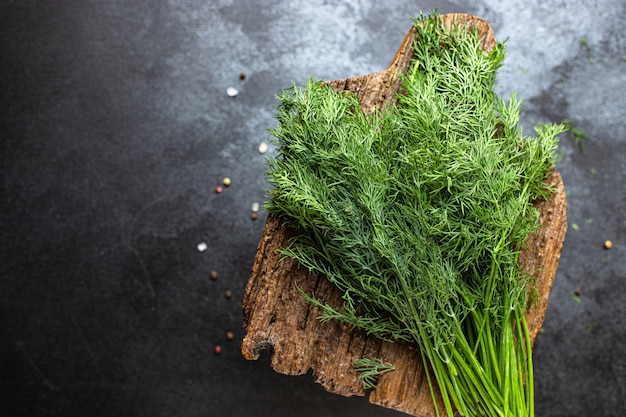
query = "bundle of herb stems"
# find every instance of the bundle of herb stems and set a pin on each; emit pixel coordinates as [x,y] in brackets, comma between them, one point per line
[418,212]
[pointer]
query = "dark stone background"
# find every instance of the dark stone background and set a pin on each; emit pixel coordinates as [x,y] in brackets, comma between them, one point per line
[116,128]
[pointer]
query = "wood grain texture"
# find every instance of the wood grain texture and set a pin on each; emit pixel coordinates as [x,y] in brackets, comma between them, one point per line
[278,320]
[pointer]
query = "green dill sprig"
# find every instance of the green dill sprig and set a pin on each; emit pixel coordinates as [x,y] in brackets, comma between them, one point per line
[579,135]
[418,213]
[370,369]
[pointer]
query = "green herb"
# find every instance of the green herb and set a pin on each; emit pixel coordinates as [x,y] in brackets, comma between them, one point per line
[370,369]
[584,43]
[579,135]
[418,213]
[575,227]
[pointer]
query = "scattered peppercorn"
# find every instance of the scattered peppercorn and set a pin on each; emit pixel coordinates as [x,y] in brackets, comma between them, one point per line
[242,75]
[217,349]
[213,275]
[230,335]
[253,216]
[218,189]
[226,181]
[228,294]
[578,291]
[608,244]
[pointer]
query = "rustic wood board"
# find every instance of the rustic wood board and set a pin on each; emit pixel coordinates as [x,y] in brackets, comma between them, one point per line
[277,319]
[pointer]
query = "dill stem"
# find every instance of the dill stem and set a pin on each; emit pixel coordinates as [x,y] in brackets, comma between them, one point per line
[431,357]
[474,371]
[426,361]
[425,344]
[505,362]
[530,387]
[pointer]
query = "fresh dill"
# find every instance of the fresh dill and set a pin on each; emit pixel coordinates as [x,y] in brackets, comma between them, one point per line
[584,43]
[417,215]
[579,135]
[370,369]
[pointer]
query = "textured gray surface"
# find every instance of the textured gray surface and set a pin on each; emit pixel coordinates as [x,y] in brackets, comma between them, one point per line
[116,128]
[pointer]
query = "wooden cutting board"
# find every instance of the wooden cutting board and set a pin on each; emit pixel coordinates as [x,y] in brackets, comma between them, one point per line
[279,321]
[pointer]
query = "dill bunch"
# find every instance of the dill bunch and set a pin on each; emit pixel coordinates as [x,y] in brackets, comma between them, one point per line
[418,212]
